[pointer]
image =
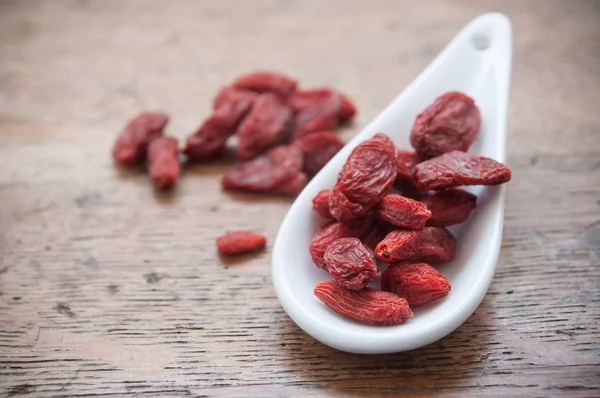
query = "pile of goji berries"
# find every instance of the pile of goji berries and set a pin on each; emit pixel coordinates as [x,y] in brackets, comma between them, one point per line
[284,135]
[391,206]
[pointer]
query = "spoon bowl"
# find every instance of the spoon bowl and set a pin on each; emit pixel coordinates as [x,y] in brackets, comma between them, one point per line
[476,62]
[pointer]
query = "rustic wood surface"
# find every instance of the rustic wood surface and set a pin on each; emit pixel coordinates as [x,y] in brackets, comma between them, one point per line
[109,289]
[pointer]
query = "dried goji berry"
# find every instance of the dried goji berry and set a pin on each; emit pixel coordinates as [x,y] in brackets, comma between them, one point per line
[315,110]
[267,82]
[367,175]
[318,149]
[418,283]
[288,158]
[305,99]
[449,207]
[321,204]
[351,263]
[232,95]
[366,229]
[163,163]
[433,245]
[132,144]
[292,186]
[278,171]
[403,212]
[405,165]
[458,168]
[450,123]
[368,306]
[348,110]
[212,135]
[326,235]
[239,242]
[264,127]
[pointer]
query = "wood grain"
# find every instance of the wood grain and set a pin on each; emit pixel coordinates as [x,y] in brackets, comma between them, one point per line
[109,289]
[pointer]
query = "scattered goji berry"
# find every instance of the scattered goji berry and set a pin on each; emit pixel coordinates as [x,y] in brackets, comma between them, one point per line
[368,306]
[403,212]
[229,95]
[132,144]
[366,177]
[318,149]
[315,110]
[450,123]
[351,263]
[212,135]
[239,242]
[267,82]
[321,204]
[264,127]
[433,245]
[163,163]
[292,186]
[302,100]
[278,171]
[458,168]
[405,165]
[348,110]
[419,283]
[287,157]
[449,207]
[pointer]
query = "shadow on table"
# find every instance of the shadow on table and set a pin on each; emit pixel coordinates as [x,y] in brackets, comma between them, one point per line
[446,364]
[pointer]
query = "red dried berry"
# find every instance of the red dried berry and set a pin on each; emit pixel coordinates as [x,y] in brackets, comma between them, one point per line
[365,178]
[264,127]
[345,210]
[302,100]
[433,245]
[348,110]
[132,144]
[419,283]
[450,123]
[278,171]
[365,229]
[449,207]
[163,163]
[326,235]
[240,242]
[405,165]
[267,82]
[305,99]
[232,95]
[321,204]
[368,306]
[212,135]
[293,186]
[287,157]
[403,212]
[351,263]
[458,168]
[315,110]
[318,149]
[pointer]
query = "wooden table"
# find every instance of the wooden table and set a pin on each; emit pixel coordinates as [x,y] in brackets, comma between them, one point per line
[110,289]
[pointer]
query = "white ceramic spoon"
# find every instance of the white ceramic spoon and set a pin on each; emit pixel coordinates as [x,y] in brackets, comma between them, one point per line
[477,62]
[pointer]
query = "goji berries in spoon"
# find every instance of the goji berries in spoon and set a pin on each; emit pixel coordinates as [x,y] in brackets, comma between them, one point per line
[480,72]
